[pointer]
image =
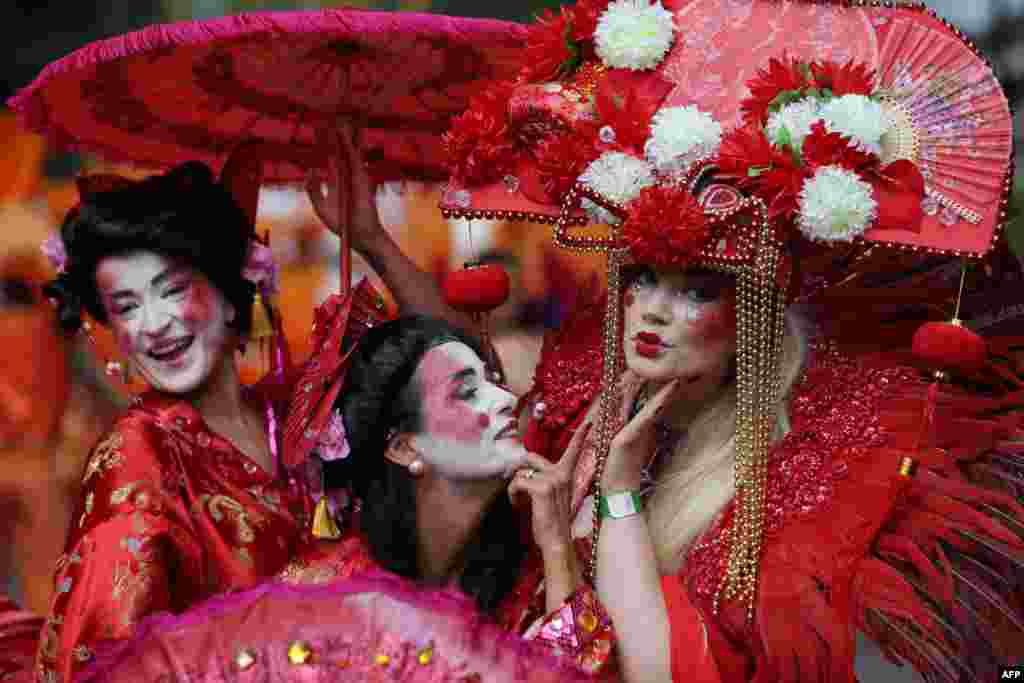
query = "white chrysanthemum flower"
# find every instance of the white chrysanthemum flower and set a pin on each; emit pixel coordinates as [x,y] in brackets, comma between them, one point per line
[680,137]
[836,205]
[859,118]
[634,34]
[617,177]
[797,118]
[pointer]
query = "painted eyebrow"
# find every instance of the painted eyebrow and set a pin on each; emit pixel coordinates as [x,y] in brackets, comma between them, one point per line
[155,282]
[463,374]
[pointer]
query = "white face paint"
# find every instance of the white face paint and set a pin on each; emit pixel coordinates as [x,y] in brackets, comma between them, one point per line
[168,318]
[680,324]
[469,429]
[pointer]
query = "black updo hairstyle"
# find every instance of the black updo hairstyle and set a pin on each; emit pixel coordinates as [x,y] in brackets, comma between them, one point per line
[184,215]
[380,396]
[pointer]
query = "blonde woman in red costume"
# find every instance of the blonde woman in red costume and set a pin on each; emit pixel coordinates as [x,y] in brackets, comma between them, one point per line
[759,499]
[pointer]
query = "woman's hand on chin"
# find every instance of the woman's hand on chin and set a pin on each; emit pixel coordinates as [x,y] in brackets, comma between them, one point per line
[350,199]
[633,445]
[548,486]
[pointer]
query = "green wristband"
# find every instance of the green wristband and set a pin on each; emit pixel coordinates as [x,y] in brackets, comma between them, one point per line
[619,505]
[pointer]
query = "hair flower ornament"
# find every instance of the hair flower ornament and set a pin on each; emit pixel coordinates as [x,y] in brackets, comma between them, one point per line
[261,268]
[54,251]
[333,442]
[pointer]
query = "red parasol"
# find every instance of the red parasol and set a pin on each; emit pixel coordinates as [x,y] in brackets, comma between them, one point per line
[194,90]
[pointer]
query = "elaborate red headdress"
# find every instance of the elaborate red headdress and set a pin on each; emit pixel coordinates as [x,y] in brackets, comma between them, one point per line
[748,136]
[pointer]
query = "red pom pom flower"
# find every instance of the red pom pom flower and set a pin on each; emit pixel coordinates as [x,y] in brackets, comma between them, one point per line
[562,157]
[479,145]
[666,227]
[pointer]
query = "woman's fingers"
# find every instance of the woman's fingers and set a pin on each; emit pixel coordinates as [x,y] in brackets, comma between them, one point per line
[646,417]
[537,463]
[572,453]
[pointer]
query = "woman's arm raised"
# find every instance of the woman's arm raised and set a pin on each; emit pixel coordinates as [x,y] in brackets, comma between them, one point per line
[628,580]
[349,204]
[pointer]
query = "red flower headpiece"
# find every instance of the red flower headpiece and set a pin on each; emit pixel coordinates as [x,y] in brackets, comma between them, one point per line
[666,227]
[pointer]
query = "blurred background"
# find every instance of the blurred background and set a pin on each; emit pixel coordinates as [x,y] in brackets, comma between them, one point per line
[36,190]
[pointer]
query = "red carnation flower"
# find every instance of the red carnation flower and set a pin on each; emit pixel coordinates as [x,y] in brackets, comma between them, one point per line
[749,160]
[585,15]
[547,48]
[822,148]
[627,101]
[843,79]
[779,76]
[479,144]
[666,227]
[561,159]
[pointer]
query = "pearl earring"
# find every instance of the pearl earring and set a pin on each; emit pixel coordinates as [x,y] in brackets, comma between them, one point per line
[417,467]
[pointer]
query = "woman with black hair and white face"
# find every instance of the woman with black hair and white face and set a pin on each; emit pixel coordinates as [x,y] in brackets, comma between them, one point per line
[183,498]
[436,461]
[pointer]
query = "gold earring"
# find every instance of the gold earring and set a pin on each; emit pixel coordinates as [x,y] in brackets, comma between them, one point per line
[120,369]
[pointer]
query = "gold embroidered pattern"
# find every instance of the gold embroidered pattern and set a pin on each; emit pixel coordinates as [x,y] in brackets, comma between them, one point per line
[90,500]
[219,505]
[131,586]
[105,457]
[298,572]
[49,640]
[66,560]
[124,493]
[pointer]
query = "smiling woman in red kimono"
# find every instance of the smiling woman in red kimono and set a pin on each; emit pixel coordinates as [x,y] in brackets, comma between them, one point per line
[184,497]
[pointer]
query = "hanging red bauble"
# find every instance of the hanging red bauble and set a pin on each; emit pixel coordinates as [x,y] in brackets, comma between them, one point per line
[476,288]
[949,346]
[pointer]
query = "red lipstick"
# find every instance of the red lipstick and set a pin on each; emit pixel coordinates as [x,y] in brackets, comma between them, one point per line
[649,345]
[650,338]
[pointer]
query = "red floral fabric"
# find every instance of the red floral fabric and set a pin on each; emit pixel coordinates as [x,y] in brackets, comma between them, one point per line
[170,514]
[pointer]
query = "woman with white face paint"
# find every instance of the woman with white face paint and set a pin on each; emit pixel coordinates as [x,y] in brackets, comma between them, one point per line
[437,465]
[184,497]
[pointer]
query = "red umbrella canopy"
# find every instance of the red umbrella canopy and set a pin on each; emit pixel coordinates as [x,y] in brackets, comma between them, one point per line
[194,90]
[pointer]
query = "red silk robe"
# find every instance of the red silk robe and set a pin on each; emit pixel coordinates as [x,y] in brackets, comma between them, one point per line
[170,514]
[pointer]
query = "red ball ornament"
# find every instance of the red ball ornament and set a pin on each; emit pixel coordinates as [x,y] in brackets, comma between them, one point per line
[949,346]
[476,288]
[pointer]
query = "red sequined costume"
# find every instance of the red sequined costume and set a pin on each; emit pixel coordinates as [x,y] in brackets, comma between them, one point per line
[929,567]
